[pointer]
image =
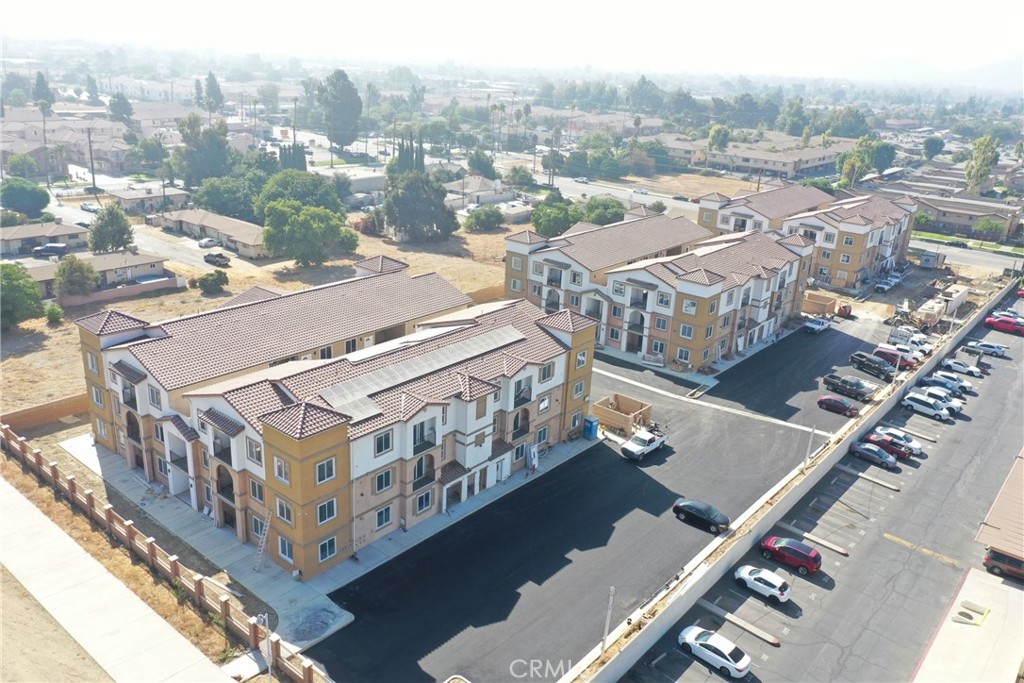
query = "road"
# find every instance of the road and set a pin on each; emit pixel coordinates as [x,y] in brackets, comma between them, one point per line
[970,257]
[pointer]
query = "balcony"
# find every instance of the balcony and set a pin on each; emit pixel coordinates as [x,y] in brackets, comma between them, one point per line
[554,279]
[427,479]
[227,493]
[742,324]
[593,312]
[425,445]
[179,460]
[523,396]
[222,450]
[638,301]
[128,398]
[635,326]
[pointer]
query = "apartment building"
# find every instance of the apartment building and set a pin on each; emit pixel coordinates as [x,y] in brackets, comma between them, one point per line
[571,271]
[856,239]
[727,293]
[137,373]
[958,215]
[759,211]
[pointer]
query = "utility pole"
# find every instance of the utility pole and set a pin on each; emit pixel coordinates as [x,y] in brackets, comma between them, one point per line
[43,105]
[92,164]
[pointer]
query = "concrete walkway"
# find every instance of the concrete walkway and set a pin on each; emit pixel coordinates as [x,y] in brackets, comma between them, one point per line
[118,630]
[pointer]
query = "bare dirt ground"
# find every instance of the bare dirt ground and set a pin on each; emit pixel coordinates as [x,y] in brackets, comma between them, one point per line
[34,647]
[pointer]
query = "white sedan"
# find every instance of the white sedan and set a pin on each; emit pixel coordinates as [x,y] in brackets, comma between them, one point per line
[207,242]
[988,348]
[766,583]
[964,384]
[718,651]
[961,367]
[902,437]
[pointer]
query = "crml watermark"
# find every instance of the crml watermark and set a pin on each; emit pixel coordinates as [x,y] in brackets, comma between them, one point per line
[539,668]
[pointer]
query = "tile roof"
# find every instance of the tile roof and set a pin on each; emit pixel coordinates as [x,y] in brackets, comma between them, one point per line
[239,230]
[567,321]
[858,210]
[526,237]
[110,322]
[182,426]
[221,421]
[381,264]
[252,295]
[128,371]
[452,471]
[228,340]
[304,419]
[784,201]
[796,240]
[35,230]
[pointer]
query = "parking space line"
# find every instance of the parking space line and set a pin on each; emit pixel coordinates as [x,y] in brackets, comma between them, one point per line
[918,434]
[868,477]
[742,623]
[831,546]
[925,551]
[725,409]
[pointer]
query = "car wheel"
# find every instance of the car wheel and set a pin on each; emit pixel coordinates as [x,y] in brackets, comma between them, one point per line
[741,583]
[640,458]
[976,374]
[724,671]
[681,516]
[995,571]
[802,571]
[713,528]
[766,554]
[774,599]
[685,647]
[939,417]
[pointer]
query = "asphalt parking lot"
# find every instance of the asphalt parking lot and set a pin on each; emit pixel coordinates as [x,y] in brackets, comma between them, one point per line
[908,535]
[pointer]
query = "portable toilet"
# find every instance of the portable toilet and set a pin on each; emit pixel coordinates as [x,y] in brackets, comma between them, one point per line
[590,424]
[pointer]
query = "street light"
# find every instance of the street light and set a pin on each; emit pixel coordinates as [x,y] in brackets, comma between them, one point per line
[264,621]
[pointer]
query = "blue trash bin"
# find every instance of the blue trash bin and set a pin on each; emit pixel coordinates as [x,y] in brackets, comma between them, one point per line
[590,425]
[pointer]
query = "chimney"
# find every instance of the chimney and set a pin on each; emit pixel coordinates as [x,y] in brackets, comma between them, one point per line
[58,220]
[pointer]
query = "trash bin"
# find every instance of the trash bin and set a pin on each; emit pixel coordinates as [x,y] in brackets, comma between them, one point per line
[590,427]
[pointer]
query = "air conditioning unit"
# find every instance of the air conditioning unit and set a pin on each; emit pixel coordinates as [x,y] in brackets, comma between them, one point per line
[297,574]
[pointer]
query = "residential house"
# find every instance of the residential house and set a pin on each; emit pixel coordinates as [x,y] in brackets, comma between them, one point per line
[571,271]
[959,215]
[759,211]
[476,189]
[243,237]
[16,240]
[148,199]
[114,269]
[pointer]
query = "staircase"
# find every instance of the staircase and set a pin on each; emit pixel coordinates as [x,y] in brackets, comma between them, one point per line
[261,548]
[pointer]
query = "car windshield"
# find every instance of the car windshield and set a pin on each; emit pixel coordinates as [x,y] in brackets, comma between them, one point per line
[736,654]
[703,636]
[638,440]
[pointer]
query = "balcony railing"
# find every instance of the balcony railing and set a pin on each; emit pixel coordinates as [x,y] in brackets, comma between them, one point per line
[128,398]
[635,327]
[741,325]
[593,313]
[180,461]
[223,453]
[638,302]
[426,480]
[227,493]
[554,281]
[424,445]
[523,397]
[522,431]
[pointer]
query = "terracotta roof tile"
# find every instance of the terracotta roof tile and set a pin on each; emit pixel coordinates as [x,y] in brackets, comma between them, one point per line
[183,428]
[221,421]
[526,237]
[381,264]
[252,295]
[567,321]
[128,371]
[304,419]
[615,243]
[452,471]
[110,322]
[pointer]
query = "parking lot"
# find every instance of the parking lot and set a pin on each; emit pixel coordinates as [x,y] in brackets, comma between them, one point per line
[894,545]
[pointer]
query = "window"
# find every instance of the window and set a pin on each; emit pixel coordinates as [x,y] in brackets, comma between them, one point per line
[284,510]
[326,511]
[578,388]
[424,501]
[517,263]
[328,549]
[544,403]
[325,471]
[757,225]
[520,452]
[577,419]
[158,432]
[723,219]
[538,268]
[165,469]
[830,238]
[326,352]
[686,331]
[708,216]
[658,346]
[481,407]
[844,258]
[254,452]
[101,427]
[382,443]
[113,378]
[660,323]
[444,409]
[683,355]
[823,271]
[93,365]
[848,241]
[575,277]
[713,307]
[706,355]
[614,334]
[664,299]
[284,549]
[97,396]
[618,287]
[826,255]
[350,345]
[208,493]
[542,435]
[581,359]
[205,454]
[729,298]
[726,320]
[383,517]
[258,527]
[616,311]
[382,482]
[536,289]
[515,285]
[282,470]
[574,300]
[202,426]
[689,307]
[547,371]
[708,331]
[256,490]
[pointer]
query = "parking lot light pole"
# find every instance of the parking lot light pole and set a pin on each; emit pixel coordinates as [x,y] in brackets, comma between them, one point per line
[608,619]
[807,456]
[264,621]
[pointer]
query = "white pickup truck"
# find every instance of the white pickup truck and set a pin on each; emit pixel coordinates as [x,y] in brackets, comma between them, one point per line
[643,442]
[817,325]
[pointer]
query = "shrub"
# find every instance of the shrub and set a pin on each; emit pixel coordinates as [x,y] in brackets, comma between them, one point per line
[213,283]
[348,240]
[54,314]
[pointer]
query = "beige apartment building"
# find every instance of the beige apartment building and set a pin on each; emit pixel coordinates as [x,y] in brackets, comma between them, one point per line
[759,211]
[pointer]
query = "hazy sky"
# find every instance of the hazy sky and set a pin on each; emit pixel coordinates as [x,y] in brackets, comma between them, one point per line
[868,38]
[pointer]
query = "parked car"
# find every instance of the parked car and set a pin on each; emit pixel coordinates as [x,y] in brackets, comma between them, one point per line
[964,385]
[895,359]
[639,190]
[582,179]
[873,365]
[789,551]
[82,224]
[715,649]
[935,381]
[884,285]
[218,259]
[899,435]
[699,512]
[919,403]
[90,207]
[998,563]
[960,244]
[207,242]
[961,367]
[944,396]
[1011,325]
[50,249]
[680,198]
[894,447]
[1006,313]
[836,404]
[988,348]
[817,325]
[872,453]
[763,582]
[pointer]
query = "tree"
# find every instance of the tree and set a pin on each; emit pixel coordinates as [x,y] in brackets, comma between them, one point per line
[308,189]
[882,155]
[213,98]
[200,101]
[991,229]
[342,106]
[92,89]
[205,153]
[551,220]
[486,218]
[270,96]
[414,205]
[479,162]
[232,195]
[120,109]
[19,296]
[213,283]
[306,234]
[984,155]
[74,277]
[658,206]
[111,231]
[933,146]
[519,176]
[23,196]
[718,137]
[41,90]
[602,211]
[1018,150]
[22,166]
[922,220]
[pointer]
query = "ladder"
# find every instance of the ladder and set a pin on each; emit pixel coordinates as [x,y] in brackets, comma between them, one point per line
[261,548]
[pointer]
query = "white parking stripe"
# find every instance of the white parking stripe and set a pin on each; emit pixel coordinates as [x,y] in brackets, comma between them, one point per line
[725,409]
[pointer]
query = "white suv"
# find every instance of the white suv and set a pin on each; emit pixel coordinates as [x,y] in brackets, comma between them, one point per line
[965,385]
[925,405]
[954,405]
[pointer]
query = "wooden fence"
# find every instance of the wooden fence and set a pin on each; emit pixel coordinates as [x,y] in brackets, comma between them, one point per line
[204,594]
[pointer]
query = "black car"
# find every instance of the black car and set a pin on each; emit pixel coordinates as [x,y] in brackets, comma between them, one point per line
[933,381]
[216,258]
[873,365]
[699,512]
[959,243]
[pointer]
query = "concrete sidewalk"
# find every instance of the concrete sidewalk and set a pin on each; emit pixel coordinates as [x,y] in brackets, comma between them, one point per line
[118,630]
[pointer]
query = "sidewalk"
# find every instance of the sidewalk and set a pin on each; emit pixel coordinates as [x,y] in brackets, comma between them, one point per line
[118,630]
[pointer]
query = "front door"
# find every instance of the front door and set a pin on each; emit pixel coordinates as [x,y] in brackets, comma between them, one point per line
[499,470]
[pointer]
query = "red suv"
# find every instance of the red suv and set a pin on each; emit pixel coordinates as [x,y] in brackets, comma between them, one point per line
[894,359]
[889,445]
[789,551]
[1002,324]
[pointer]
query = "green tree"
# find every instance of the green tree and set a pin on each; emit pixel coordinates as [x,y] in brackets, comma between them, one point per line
[933,146]
[232,195]
[213,283]
[718,137]
[23,196]
[120,109]
[414,205]
[213,98]
[658,206]
[92,89]
[882,155]
[991,229]
[205,153]
[309,189]
[16,98]
[153,151]
[200,101]
[486,218]
[1018,150]
[984,155]
[41,90]
[22,166]
[75,276]
[551,220]
[348,240]
[306,234]
[111,231]
[602,211]
[19,296]
[480,162]
[519,176]
[54,314]
[342,106]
